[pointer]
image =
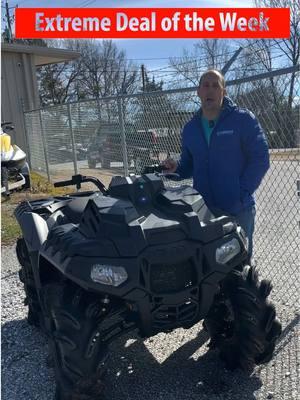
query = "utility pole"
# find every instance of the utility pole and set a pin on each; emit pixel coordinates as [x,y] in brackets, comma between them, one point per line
[231,61]
[9,32]
[143,76]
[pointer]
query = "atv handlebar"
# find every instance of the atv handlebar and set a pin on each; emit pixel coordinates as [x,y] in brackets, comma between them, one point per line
[161,170]
[7,126]
[79,179]
[63,183]
[151,169]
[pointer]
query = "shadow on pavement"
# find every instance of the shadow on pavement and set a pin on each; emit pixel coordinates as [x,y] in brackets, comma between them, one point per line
[134,373]
[189,372]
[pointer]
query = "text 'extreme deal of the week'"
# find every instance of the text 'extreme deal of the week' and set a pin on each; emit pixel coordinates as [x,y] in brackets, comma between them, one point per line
[152,23]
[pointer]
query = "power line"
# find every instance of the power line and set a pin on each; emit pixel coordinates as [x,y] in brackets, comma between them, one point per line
[192,58]
[195,58]
[184,80]
[193,70]
[87,3]
[203,67]
[174,71]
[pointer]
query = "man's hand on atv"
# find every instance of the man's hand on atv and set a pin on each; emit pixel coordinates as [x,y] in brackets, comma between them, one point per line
[169,165]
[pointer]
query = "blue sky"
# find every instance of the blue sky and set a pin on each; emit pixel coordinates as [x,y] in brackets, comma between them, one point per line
[140,49]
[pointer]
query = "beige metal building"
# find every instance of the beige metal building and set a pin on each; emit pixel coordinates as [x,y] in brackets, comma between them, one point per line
[19,88]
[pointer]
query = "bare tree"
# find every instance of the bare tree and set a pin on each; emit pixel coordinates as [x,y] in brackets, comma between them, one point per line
[273,53]
[207,53]
[216,52]
[105,69]
[290,47]
[56,82]
[102,70]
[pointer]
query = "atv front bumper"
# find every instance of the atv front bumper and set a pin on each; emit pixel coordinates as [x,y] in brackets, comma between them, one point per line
[167,286]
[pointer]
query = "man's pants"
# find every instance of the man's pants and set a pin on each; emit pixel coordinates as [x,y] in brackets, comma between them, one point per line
[246,220]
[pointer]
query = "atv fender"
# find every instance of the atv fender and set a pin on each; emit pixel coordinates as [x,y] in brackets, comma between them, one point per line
[35,230]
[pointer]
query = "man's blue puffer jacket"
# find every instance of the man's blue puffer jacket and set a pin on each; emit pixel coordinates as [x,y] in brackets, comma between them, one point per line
[228,171]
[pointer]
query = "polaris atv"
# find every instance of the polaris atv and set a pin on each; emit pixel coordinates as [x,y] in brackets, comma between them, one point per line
[137,255]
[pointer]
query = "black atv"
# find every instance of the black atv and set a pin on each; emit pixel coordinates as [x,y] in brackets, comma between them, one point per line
[137,255]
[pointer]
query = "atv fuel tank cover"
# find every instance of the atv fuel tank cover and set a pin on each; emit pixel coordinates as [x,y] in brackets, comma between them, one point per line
[140,190]
[108,202]
[121,209]
[185,199]
[105,213]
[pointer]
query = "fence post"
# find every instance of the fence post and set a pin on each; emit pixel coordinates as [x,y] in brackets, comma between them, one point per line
[72,139]
[44,145]
[123,136]
[28,155]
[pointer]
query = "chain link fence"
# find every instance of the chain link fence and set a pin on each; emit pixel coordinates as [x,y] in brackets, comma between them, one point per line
[121,135]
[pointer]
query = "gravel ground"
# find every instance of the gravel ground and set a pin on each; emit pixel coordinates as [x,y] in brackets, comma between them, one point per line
[177,366]
[172,366]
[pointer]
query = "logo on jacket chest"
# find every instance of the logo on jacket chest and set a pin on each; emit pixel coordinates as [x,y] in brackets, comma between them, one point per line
[225,132]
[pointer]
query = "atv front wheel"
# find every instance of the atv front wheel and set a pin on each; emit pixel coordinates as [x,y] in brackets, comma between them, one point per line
[242,323]
[73,325]
[27,278]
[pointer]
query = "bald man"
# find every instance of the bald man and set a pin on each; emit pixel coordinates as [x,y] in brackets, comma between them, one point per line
[225,151]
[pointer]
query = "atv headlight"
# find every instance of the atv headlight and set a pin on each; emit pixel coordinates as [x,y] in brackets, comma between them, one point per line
[227,251]
[244,237]
[108,274]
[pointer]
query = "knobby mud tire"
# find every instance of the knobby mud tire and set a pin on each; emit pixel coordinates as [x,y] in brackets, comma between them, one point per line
[105,162]
[75,343]
[242,323]
[27,278]
[91,164]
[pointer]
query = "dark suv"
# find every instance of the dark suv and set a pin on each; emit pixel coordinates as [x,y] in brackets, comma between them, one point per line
[106,146]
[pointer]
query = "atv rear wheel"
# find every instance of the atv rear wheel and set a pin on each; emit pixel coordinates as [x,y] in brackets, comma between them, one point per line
[27,183]
[73,325]
[27,278]
[105,162]
[138,165]
[242,323]
[4,181]
[91,163]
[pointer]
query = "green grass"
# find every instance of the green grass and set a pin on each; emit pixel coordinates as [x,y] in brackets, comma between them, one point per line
[10,229]
[39,184]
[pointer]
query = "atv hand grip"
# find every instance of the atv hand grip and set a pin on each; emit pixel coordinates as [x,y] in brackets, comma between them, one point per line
[172,176]
[79,179]
[63,183]
[155,168]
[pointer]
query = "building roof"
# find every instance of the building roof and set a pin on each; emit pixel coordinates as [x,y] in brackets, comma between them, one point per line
[42,55]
